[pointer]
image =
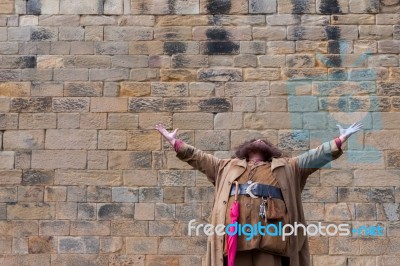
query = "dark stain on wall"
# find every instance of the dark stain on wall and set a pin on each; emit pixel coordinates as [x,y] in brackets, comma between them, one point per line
[215,7]
[109,210]
[299,6]
[180,61]
[333,34]
[217,34]
[174,104]
[333,47]
[171,35]
[41,35]
[298,33]
[171,6]
[143,7]
[100,9]
[337,74]
[174,48]
[221,48]
[37,177]
[33,7]
[215,105]
[329,7]
[333,60]
[26,62]
[215,20]
[219,42]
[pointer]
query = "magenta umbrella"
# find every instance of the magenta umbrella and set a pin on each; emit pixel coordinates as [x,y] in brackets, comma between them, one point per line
[232,239]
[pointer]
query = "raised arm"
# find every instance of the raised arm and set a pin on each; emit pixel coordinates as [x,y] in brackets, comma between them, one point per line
[314,159]
[204,162]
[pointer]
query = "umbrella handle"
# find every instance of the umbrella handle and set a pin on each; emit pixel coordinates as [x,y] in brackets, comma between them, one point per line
[236,189]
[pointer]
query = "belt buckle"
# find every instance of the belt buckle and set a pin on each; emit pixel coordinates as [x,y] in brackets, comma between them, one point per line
[248,190]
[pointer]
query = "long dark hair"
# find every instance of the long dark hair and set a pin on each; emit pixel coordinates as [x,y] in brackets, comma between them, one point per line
[268,150]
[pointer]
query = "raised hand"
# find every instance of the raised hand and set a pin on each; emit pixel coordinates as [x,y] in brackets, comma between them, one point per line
[345,133]
[170,136]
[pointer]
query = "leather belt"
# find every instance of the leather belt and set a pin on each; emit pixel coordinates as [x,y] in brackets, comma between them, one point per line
[256,190]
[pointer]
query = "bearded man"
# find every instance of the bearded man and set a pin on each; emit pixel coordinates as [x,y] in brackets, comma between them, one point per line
[269,191]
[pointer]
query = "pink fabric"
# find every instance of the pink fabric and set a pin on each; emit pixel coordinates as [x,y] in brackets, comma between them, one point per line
[178,144]
[232,240]
[338,143]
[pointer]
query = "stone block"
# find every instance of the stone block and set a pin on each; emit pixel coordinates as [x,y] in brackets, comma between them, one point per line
[141,245]
[85,244]
[38,210]
[125,160]
[122,121]
[55,193]
[87,211]
[112,139]
[6,160]
[144,211]
[165,7]
[193,121]
[115,211]
[140,178]
[99,193]
[364,6]
[51,159]
[90,228]
[228,121]
[72,139]
[125,194]
[111,48]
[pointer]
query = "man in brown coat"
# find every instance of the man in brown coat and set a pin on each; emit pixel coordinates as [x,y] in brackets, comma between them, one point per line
[290,175]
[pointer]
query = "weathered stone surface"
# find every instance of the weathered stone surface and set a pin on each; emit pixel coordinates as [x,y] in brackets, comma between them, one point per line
[165,7]
[367,6]
[30,193]
[182,245]
[36,211]
[40,244]
[219,47]
[145,104]
[43,159]
[139,177]
[86,180]
[177,75]
[272,120]
[219,7]
[27,139]
[7,7]
[72,139]
[37,104]
[7,160]
[112,211]
[37,121]
[220,74]
[123,160]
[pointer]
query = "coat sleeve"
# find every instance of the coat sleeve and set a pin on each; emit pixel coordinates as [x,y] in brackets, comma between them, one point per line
[314,159]
[206,163]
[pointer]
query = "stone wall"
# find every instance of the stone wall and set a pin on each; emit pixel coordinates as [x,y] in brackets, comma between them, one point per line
[85,178]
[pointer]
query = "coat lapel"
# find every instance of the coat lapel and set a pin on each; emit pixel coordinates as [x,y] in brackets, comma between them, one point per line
[239,167]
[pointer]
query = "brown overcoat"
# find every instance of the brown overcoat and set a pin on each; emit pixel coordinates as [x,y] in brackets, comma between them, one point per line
[291,174]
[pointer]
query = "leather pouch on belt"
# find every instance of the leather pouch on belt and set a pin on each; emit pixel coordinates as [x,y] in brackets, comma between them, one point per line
[275,213]
[276,208]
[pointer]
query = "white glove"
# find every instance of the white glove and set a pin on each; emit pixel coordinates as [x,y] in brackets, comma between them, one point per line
[345,133]
[170,136]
